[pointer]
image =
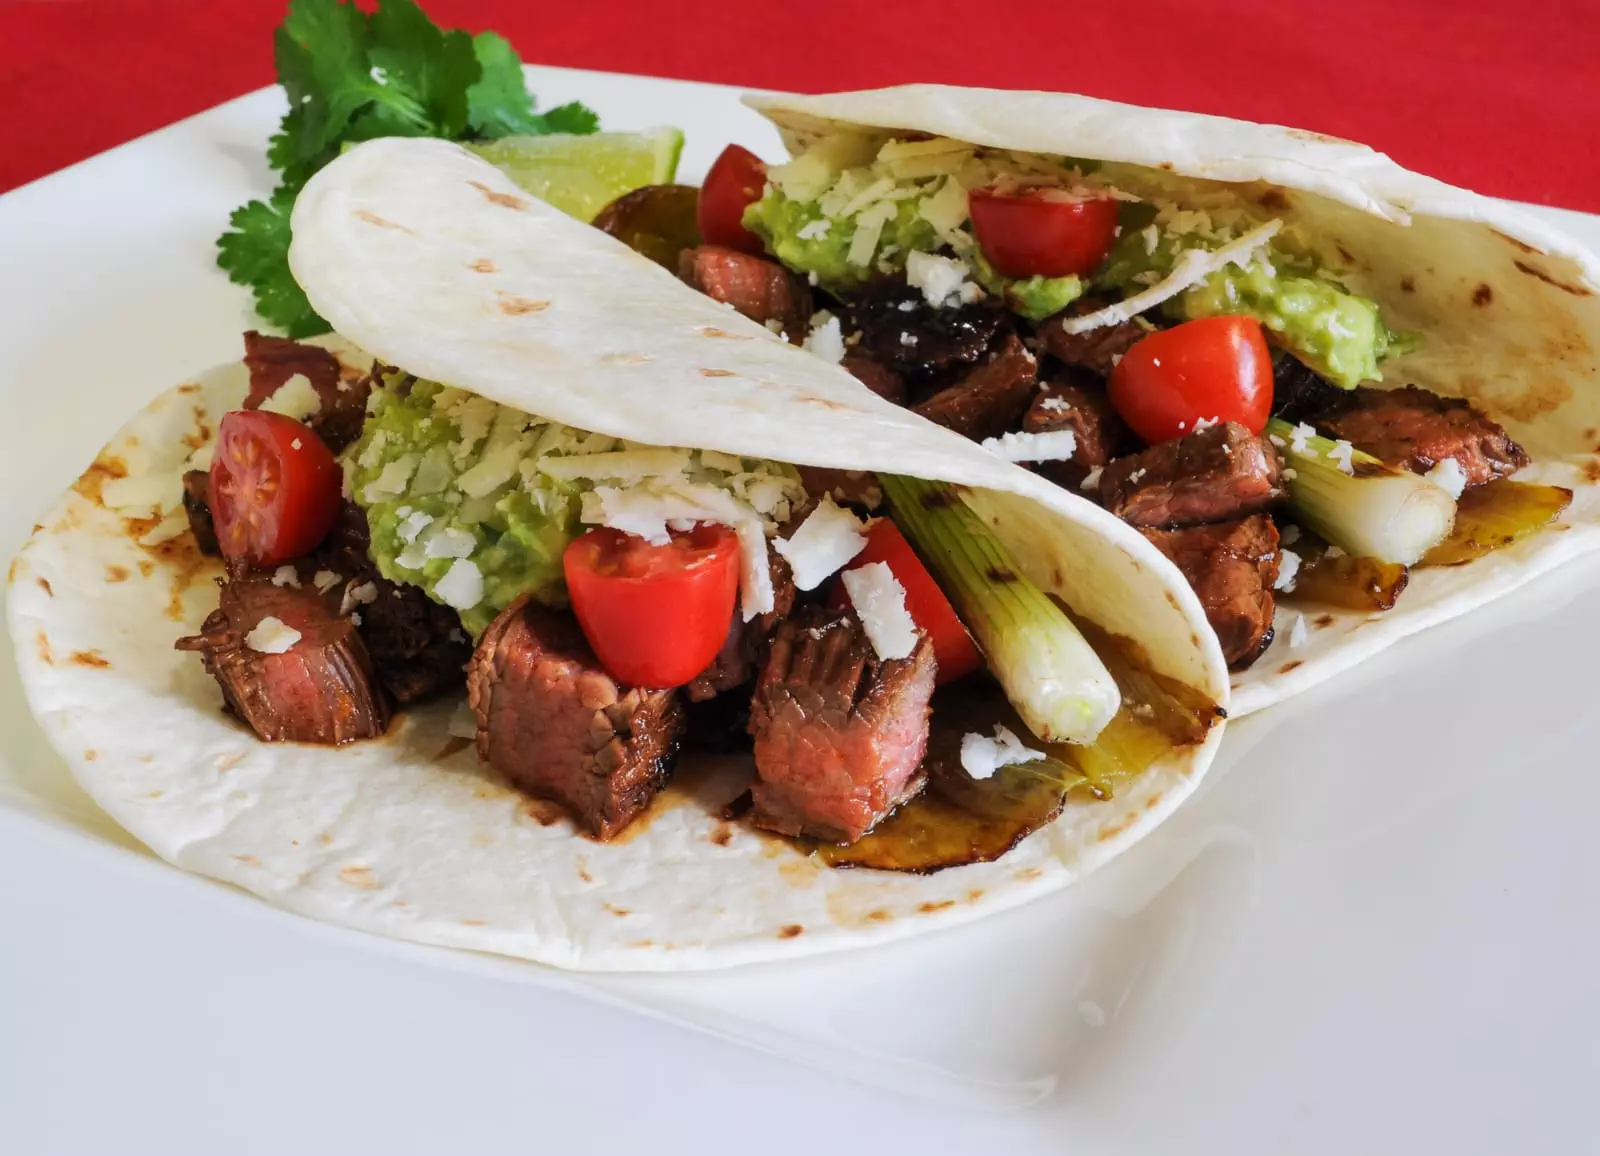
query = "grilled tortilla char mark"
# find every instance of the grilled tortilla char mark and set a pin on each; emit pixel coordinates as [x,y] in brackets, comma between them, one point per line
[1221,472]
[1415,429]
[839,733]
[417,645]
[990,399]
[1074,400]
[762,290]
[559,727]
[1232,567]
[928,347]
[1096,349]
[744,650]
[272,361]
[321,690]
[197,506]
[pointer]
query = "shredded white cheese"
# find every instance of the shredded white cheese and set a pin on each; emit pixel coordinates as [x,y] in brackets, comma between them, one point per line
[461,586]
[829,537]
[1297,632]
[1054,404]
[272,636]
[1340,453]
[296,398]
[170,527]
[1205,423]
[449,542]
[391,480]
[325,580]
[826,338]
[814,230]
[1297,439]
[1054,446]
[620,465]
[940,280]
[1091,481]
[1192,267]
[463,723]
[355,595]
[412,523]
[1288,570]
[982,756]
[1448,475]
[286,576]
[880,603]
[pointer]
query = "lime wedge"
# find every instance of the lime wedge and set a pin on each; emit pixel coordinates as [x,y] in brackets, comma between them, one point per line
[582,174]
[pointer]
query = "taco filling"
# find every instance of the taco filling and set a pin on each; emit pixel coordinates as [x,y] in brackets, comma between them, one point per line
[1184,354]
[602,603]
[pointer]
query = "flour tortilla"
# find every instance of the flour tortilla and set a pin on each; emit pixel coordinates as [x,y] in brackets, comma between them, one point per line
[1509,305]
[429,259]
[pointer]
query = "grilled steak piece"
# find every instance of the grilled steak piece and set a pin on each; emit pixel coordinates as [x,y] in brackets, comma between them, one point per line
[1415,430]
[558,726]
[1072,401]
[1232,567]
[272,361]
[1098,349]
[417,645]
[1299,393]
[1223,471]
[197,505]
[990,399]
[762,290]
[927,346]
[839,734]
[745,647]
[876,376]
[321,690]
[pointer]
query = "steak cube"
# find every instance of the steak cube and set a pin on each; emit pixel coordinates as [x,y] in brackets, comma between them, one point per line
[555,724]
[762,290]
[1096,349]
[1221,472]
[990,399]
[839,733]
[321,689]
[1073,403]
[1415,430]
[1232,567]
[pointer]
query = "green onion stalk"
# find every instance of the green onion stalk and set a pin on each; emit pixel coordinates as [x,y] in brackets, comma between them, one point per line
[1053,677]
[1371,510]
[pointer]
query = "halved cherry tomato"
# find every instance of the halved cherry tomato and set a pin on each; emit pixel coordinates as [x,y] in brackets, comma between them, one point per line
[274,488]
[953,647]
[1042,232]
[733,184]
[655,615]
[1213,369]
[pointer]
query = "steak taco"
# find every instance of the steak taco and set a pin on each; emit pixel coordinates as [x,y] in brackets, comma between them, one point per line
[1347,401]
[554,609]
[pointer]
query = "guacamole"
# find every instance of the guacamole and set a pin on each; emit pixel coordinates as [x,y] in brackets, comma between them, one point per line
[1337,333]
[475,502]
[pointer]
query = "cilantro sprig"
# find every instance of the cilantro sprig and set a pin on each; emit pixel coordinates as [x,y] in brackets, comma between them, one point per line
[351,77]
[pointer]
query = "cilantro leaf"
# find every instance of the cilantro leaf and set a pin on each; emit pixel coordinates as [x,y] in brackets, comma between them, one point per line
[500,104]
[572,117]
[352,77]
[435,67]
[255,253]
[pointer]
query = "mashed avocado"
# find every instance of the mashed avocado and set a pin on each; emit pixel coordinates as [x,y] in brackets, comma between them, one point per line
[475,502]
[1337,333]
[852,208]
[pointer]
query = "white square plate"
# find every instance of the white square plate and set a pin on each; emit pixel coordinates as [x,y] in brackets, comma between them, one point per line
[1376,918]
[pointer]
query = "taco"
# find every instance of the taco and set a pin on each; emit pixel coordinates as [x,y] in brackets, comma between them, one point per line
[564,613]
[1347,401]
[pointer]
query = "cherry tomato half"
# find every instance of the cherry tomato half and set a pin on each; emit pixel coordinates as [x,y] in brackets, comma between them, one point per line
[953,647]
[655,615]
[1040,232]
[1216,368]
[274,488]
[734,183]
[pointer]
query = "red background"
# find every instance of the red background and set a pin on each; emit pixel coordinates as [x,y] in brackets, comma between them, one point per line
[1500,97]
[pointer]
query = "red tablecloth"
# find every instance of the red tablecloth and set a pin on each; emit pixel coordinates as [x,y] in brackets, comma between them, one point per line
[1498,97]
